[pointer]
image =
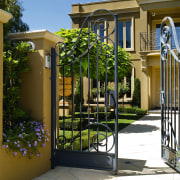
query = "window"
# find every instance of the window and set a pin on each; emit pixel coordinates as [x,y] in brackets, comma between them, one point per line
[99,29]
[126,37]
[177,27]
[158,29]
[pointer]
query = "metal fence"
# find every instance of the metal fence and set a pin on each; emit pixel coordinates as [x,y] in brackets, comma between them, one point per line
[170,93]
[150,41]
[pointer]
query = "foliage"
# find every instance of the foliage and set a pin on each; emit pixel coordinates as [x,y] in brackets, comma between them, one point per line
[136,101]
[15,63]
[96,47]
[101,90]
[20,133]
[77,124]
[15,24]
[141,111]
[122,123]
[94,92]
[132,110]
[77,96]
[102,115]
[109,88]
[122,89]
[25,137]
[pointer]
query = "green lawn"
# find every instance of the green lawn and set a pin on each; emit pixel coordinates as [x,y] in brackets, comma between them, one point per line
[122,123]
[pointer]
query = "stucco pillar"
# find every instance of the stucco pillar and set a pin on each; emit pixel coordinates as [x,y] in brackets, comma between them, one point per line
[35,99]
[4,18]
[144,70]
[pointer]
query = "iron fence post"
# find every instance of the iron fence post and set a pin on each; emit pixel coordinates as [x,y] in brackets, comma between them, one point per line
[116,94]
[53,106]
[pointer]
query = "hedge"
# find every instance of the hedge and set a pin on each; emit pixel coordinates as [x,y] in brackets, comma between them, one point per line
[76,124]
[102,115]
[141,112]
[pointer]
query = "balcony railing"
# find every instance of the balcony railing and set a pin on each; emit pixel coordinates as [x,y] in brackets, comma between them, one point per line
[151,41]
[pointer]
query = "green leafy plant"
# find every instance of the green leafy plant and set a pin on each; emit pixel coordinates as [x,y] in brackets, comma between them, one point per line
[70,37]
[15,24]
[141,111]
[78,96]
[109,88]
[25,138]
[15,62]
[21,134]
[136,101]
[122,89]
[94,92]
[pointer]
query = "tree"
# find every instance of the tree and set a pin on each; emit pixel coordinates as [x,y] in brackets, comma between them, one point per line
[102,49]
[15,24]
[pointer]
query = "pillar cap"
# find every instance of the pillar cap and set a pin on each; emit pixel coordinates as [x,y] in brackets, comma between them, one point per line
[5,16]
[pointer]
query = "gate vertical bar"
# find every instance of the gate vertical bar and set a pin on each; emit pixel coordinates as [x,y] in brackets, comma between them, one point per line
[88,84]
[116,94]
[162,90]
[53,106]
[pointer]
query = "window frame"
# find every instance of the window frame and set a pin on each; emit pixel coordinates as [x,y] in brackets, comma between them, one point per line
[124,20]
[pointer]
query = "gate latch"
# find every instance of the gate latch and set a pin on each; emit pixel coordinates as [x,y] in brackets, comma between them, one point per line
[162,97]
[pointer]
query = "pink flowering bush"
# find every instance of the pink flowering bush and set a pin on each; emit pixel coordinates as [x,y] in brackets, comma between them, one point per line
[25,137]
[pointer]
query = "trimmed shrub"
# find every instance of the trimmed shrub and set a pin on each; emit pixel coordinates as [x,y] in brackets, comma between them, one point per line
[102,115]
[77,96]
[67,124]
[65,117]
[120,109]
[141,112]
[131,110]
[83,115]
[84,109]
[136,101]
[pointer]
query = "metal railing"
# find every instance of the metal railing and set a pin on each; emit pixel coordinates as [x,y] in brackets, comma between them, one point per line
[151,41]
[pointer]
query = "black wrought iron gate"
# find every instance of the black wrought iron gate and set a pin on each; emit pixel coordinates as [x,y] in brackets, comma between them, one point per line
[170,93]
[81,136]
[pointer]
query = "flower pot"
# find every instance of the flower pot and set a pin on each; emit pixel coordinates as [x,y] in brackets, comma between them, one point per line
[67,86]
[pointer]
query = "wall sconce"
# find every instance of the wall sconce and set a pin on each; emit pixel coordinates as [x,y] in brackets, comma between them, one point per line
[32,45]
[48,61]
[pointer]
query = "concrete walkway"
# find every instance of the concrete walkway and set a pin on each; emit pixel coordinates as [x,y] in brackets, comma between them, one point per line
[139,157]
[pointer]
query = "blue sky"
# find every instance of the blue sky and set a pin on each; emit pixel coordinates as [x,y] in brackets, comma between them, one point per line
[49,14]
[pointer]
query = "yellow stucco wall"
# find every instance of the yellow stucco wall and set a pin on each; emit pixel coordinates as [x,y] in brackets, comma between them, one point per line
[36,101]
[1,80]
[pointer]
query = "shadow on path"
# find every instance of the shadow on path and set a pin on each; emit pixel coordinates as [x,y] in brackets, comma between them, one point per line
[150,118]
[139,128]
[128,167]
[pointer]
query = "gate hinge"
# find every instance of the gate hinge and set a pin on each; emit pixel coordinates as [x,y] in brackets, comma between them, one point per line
[162,97]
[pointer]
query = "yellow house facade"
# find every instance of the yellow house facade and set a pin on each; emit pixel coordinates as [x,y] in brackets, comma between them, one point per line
[139,32]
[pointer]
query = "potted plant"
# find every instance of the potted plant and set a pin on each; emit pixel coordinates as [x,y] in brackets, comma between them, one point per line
[94,92]
[122,90]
